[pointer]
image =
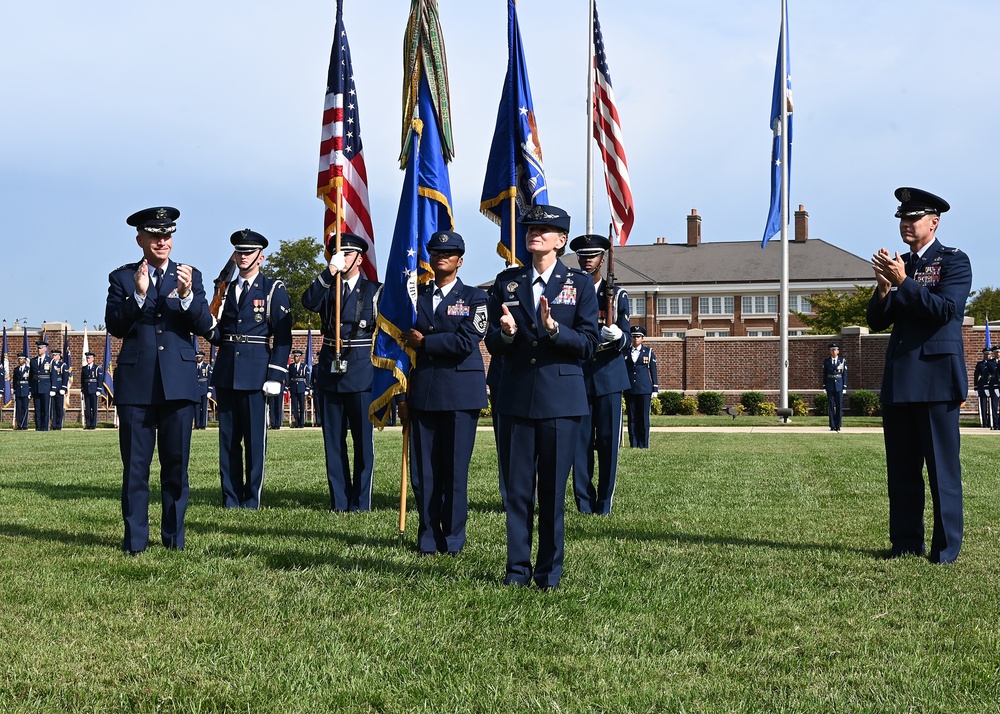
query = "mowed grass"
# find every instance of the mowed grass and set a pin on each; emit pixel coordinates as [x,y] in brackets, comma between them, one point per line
[738,573]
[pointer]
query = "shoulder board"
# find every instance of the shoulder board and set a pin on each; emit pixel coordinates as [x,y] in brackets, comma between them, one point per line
[577,271]
[127,266]
[513,270]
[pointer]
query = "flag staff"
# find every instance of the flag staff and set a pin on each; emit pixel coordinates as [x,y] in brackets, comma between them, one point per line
[590,120]
[783,298]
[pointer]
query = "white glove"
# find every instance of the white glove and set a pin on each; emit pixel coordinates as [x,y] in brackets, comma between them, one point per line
[62,391]
[272,388]
[52,393]
[337,262]
[611,333]
[655,395]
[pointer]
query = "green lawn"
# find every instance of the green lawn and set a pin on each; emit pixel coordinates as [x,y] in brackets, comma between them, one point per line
[738,573]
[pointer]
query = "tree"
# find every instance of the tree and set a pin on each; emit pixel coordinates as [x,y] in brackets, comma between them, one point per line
[297,263]
[834,311]
[982,303]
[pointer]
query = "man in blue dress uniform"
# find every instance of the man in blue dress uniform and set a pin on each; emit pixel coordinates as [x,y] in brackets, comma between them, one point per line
[298,381]
[41,384]
[204,371]
[447,389]
[21,382]
[640,361]
[606,378]
[59,383]
[91,379]
[155,306]
[922,295]
[980,381]
[835,384]
[543,321]
[993,386]
[344,381]
[254,337]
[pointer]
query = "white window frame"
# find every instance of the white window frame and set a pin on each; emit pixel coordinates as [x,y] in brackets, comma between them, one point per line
[716,302]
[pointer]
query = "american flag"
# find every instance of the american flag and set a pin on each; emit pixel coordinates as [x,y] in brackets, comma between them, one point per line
[341,156]
[608,132]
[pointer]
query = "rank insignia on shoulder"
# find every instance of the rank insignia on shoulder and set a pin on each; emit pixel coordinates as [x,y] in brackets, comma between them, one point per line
[479,320]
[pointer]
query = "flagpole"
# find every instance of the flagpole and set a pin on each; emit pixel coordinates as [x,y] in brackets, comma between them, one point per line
[590,121]
[783,298]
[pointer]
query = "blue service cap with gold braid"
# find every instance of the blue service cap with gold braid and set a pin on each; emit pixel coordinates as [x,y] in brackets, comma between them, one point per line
[247,241]
[543,215]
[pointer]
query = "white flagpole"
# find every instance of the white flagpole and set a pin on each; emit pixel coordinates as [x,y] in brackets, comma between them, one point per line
[783,298]
[590,122]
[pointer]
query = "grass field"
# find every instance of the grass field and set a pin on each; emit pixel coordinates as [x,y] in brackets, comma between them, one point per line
[738,573]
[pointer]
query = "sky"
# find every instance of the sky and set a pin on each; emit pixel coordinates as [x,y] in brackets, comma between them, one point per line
[215,108]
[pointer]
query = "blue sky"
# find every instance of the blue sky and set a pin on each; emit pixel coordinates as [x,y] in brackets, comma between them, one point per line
[215,108]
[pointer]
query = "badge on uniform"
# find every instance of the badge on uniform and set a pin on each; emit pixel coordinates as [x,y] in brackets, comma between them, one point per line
[173,294]
[928,276]
[566,296]
[479,320]
[459,309]
[511,286]
[258,310]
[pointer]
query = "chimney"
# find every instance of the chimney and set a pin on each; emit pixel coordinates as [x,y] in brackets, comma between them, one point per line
[801,225]
[694,228]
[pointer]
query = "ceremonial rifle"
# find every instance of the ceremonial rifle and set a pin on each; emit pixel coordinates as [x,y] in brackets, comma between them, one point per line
[609,282]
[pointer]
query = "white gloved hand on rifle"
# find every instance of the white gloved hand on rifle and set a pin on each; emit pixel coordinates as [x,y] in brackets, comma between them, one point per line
[272,388]
[611,333]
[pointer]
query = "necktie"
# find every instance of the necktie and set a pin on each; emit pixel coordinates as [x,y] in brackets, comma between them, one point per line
[345,292]
[438,298]
[155,279]
[244,289]
[537,288]
[911,264]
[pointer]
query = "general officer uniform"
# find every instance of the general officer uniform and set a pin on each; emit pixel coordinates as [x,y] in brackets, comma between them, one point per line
[59,383]
[606,378]
[21,381]
[640,361]
[204,372]
[41,385]
[91,379]
[447,389]
[980,381]
[924,381]
[155,381]
[298,381]
[344,385]
[542,399]
[835,384]
[254,337]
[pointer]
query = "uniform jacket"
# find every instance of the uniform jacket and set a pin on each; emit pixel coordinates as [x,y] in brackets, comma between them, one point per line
[91,379]
[21,380]
[835,374]
[541,376]
[449,374]
[156,338]
[298,377]
[59,374]
[992,378]
[357,325]
[204,371]
[605,372]
[642,372]
[925,358]
[247,365]
[40,374]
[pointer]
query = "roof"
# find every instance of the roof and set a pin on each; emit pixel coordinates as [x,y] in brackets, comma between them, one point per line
[737,262]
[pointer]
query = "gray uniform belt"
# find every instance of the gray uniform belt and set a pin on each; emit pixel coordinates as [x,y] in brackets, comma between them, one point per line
[363,342]
[250,339]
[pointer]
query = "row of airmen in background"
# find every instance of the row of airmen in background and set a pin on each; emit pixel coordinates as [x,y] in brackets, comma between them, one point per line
[46,381]
[986,380]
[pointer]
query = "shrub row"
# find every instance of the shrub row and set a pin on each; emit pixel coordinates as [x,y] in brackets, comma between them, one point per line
[862,402]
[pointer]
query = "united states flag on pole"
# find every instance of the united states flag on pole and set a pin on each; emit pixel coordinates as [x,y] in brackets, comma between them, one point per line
[608,132]
[341,157]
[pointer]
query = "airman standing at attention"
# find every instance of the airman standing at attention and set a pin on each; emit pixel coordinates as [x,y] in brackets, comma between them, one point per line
[59,378]
[298,378]
[41,384]
[91,379]
[21,382]
[204,376]
[641,364]
[835,384]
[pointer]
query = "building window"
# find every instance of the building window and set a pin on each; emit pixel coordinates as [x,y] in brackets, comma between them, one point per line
[673,306]
[668,333]
[637,306]
[716,333]
[760,304]
[796,333]
[760,333]
[716,305]
[799,303]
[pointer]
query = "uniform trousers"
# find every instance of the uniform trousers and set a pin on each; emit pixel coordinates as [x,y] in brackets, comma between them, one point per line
[350,490]
[637,409]
[167,427]
[201,413]
[298,410]
[276,410]
[90,411]
[42,411]
[242,435]
[995,407]
[442,444]
[57,412]
[985,417]
[600,431]
[835,408]
[21,408]
[916,435]
[544,447]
